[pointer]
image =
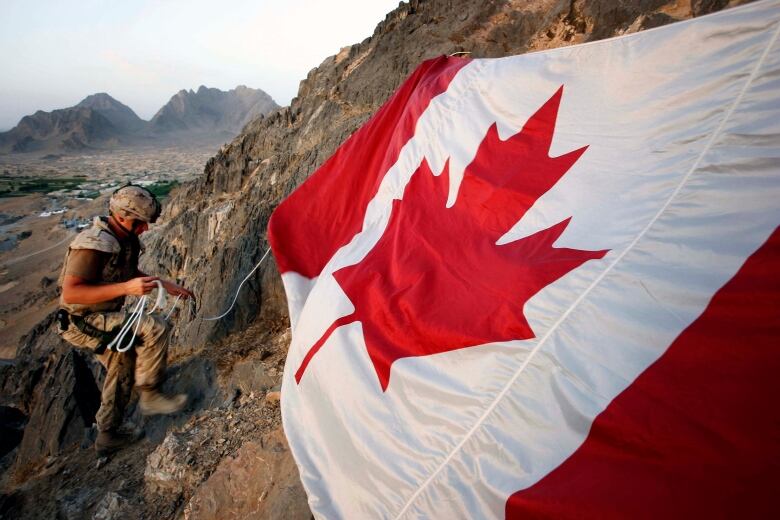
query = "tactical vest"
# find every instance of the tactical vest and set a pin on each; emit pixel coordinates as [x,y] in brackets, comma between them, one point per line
[121,266]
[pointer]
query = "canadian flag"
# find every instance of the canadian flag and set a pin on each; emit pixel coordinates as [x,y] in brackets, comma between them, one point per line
[547,285]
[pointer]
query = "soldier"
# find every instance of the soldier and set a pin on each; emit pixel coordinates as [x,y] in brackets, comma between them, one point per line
[100,269]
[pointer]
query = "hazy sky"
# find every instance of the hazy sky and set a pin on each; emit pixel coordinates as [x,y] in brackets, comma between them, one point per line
[53,53]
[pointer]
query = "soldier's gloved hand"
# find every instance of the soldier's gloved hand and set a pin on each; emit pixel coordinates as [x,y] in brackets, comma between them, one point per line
[175,289]
[141,285]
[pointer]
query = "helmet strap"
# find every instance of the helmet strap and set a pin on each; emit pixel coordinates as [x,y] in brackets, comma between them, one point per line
[136,226]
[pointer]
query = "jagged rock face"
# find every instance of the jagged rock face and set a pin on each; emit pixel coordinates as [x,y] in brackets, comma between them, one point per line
[214,228]
[57,423]
[210,109]
[55,386]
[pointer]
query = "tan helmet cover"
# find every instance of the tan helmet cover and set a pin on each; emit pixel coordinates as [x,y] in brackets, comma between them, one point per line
[135,202]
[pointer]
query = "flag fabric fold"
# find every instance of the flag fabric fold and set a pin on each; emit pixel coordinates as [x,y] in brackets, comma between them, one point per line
[546,285]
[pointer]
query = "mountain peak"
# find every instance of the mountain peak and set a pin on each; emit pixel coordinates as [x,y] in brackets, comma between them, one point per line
[211,109]
[101,100]
[119,114]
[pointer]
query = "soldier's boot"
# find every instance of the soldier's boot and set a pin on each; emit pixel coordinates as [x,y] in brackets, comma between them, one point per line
[153,402]
[112,441]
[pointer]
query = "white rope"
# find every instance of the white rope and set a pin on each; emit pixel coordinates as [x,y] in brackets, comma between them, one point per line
[138,318]
[25,257]
[173,307]
[116,343]
[138,311]
[159,303]
[135,319]
[239,289]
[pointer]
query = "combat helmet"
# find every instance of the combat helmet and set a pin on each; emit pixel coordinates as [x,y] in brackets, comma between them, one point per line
[136,202]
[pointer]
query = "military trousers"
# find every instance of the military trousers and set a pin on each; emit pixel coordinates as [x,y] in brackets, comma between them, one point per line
[142,366]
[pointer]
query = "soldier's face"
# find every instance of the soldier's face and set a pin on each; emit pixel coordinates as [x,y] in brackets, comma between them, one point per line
[137,227]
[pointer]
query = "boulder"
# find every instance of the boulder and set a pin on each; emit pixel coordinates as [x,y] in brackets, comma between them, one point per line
[65,403]
[54,385]
[261,481]
[249,376]
[274,395]
[111,506]
[169,469]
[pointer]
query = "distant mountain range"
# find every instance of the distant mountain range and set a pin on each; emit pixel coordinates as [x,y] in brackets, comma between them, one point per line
[101,122]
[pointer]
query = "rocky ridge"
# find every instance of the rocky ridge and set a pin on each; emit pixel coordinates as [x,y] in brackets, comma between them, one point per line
[100,122]
[204,463]
[212,109]
[66,129]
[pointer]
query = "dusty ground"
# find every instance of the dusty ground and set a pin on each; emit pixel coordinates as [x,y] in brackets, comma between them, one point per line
[119,165]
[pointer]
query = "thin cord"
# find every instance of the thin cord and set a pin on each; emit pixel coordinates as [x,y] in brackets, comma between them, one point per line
[173,307]
[25,257]
[239,289]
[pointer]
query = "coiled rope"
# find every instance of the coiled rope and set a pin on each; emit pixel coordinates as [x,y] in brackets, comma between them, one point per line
[135,319]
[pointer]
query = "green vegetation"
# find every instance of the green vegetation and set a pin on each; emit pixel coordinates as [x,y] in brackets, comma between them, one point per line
[15,186]
[162,189]
[19,186]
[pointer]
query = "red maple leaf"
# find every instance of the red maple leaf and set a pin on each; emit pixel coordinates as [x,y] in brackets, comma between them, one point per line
[436,281]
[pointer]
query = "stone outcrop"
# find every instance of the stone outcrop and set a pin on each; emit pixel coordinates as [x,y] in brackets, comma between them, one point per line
[54,386]
[260,481]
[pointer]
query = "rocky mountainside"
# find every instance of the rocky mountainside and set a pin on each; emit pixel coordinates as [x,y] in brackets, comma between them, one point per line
[72,128]
[203,463]
[211,109]
[100,121]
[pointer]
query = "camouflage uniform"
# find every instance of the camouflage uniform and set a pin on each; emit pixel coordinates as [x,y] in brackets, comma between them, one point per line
[144,364]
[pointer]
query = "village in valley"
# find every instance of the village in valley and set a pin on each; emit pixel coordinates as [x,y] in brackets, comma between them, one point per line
[87,175]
